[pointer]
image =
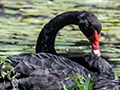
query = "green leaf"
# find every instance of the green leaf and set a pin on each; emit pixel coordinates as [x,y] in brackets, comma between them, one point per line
[8,75]
[3,74]
[13,78]
[9,66]
[72,87]
[80,78]
[69,78]
[7,60]
[86,86]
[79,85]
[1,61]
[64,87]
[91,84]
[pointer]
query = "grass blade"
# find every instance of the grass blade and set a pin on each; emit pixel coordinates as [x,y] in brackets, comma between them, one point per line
[86,85]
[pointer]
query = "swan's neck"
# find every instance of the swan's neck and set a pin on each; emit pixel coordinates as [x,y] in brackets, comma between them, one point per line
[46,39]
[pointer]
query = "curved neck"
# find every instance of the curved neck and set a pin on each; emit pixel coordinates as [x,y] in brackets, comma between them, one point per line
[46,39]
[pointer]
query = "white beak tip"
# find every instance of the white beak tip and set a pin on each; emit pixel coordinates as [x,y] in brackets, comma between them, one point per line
[97,53]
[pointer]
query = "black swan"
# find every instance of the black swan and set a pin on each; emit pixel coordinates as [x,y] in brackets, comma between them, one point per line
[45,71]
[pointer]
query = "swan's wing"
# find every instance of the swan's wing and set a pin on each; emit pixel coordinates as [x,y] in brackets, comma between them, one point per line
[26,63]
[45,71]
[106,84]
[96,65]
[100,65]
[49,79]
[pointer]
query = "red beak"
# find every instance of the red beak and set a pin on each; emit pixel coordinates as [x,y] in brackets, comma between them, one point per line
[94,40]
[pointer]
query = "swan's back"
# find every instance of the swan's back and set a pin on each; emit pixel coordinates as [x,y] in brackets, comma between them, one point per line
[44,71]
[32,61]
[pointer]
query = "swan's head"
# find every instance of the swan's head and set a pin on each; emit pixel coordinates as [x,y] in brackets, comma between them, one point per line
[94,40]
[91,27]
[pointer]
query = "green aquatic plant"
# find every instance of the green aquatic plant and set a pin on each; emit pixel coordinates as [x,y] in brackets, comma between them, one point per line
[81,83]
[5,72]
